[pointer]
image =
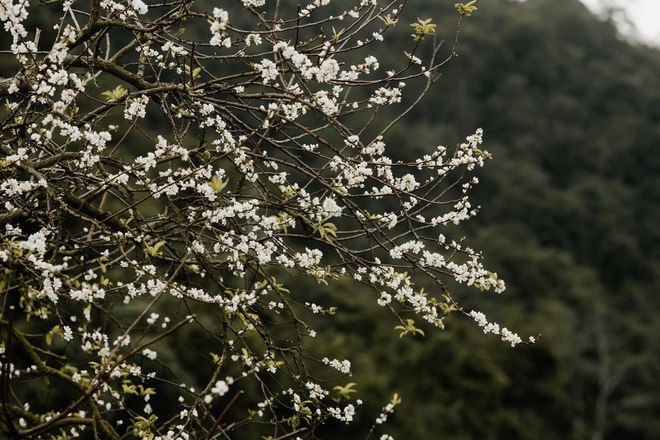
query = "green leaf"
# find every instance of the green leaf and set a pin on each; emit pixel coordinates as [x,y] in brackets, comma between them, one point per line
[282,220]
[326,230]
[102,266]
[346,391]
[336,35]
[146,391]
[422,28]
[49,335]
[153,250]
[195,71]
[129,388]
[217,184]
[114,95]
[279,287]
[388,20]
[409,328]
[466,9]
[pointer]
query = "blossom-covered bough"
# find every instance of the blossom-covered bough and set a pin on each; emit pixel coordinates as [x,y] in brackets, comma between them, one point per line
[169,170]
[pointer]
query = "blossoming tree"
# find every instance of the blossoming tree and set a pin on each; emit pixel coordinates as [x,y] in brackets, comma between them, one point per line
[172,168]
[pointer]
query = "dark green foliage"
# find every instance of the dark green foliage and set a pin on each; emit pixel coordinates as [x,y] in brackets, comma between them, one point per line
[570,220]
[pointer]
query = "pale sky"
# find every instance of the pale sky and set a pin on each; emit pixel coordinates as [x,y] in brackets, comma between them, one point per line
[645,15]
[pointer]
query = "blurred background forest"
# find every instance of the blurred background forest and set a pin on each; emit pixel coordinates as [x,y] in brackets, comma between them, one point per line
[570,220]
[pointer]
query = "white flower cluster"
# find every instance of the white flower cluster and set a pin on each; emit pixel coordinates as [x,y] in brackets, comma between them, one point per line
[137,107]
[316,391]
[387,410]
[131,8]
[268,70]
[307,10]
[493,327]
[345,415]
[12,14]
[138,6]
[220,388]
[386,95]
[341,366]
[218,26]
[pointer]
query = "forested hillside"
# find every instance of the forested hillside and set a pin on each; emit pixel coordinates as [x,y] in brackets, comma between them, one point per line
[569,209]
[571,204]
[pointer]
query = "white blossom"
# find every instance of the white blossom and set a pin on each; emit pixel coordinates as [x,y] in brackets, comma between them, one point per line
[137,107]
